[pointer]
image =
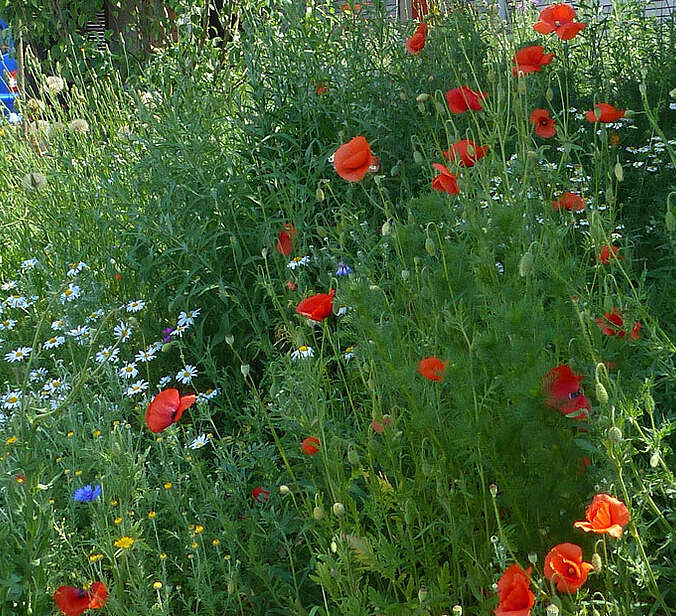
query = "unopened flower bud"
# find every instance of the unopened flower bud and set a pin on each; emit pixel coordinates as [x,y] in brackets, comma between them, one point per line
[526,264]
[596,562]
[264,251]
[405,274]
[421,107]
[284,490]
[549,95]
[231,587]
[353,457]
[642,88]
[552,610]
[422,98]
[422,594]
[338,509]
[532,558]
[245,369]
[386,229]
[34,181]
[617,170]
[229,338]
[115,448]
[317,513]
[457,610]
[655,459]
[319,194]
[673,93]
[334,547]
[418,158]
[493,489]
[521,86]
[601,393]
[670,221]
[614,434]
[430,246]
[402,96]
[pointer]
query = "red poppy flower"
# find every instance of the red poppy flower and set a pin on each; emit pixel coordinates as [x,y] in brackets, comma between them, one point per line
[611,324]
[603,112]
[445,181]
[530,60]
[355,7]
[74,601]
[310,446]
[416,42]
[353,159]
[465,152]
[544,125]
[462,99]
[605,514]
[516,598]
[320,88]
[607,253]
[166,408]
[260,494]
[285,240]
[562,390]
[636,328]
[317,307]
[559,18]
[564,567]
[118,276]
[432,368]
[569,201]
[379,425]
[419,9]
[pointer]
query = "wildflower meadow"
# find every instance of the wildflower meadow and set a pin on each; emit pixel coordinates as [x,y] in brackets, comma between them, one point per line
[344,315]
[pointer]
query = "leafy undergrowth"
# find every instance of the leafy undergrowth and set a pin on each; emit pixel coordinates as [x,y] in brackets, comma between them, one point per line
[490,362]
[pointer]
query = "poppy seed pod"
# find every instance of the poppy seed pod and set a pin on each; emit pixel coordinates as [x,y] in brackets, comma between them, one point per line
[532,557]
[386,229]
[614,434]
[338,509]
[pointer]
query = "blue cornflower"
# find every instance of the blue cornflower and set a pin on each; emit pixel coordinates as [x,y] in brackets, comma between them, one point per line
[343,270]
[87,494]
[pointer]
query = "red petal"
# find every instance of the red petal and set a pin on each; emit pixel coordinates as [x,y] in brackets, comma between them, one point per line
[71,601]
[184,403]
[162,410]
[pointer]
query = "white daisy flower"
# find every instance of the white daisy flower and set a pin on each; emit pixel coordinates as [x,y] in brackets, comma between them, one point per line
[17,301]
[97,314]
[54,342]
[199,442]
[156,346]
[7,324]
[55,385]
[128,371]
[186,374]
[297,262]
[18,354]
[71,293]
[108,354]
[122,331]
[136,388]
[75,269]
[135,305]
[80,332]
[147,355]
[12,400]
[29,264]
[3,418]
[349,353]
[38,374]
[179,330]
[164,381]
[207,395]
[58,324]
[302,352]
[188,318]
[9,285]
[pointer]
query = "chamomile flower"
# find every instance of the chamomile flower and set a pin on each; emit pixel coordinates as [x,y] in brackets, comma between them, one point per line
[71,293]
[3,418]
[164,381]
[128,371]
[136,388]
[179,330]
[54,342]
[55,385]
[303,352]
[297,262]
[28,264]
[96,314]
[108,353]
[58,324]
[122,331]
[17,301]
[209,394]
[186,374]
[135,305]
[18,354]
[199,442]
[7,324]
[39,374]
[11,400]
[147,355]
[75,269]
[188,318]
[81,332]
[349,353]
[9,285]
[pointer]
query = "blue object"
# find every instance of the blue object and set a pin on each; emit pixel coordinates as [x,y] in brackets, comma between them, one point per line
[87,494]
[8,68]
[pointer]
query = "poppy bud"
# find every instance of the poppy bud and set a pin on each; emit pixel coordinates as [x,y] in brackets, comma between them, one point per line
[402,96]
[230,339]
[334,547]
[338,509]
[353,457]
[457,610]
[655,459]
[319,194]
[642,88]
[493,489]
[386,229]
[596,562]
[617,170]
[418,158]
[317,513]
[405,274]
[245,369]
[411,218]
[673,93]
[552,610]
[115,448]
[614,434]
[284,490]
[421,108]
[422,98]
[649,402]
[549,95]
[532,557]
[422,594]
[526,264]
[430,247]
[601,393]
[231,587]
[491,76]
[670,221]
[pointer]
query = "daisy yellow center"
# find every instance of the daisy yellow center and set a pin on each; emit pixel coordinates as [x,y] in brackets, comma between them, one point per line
[302,349]
[297,259]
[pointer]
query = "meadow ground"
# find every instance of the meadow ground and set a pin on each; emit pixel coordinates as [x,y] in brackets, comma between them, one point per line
[408,291]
